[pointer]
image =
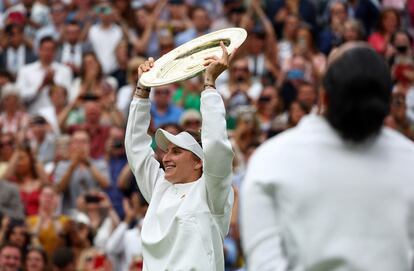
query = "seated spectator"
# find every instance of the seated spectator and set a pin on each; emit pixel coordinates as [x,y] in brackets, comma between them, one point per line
[240,80]
[280,9]
[47,227]
[105,36]
[7,146]
[306,47]
[299,70]
[260,45]
[389,22]
[72,48]
[287,39]
[35,79]
[29,175]
[5,79]
[101,215]
[111,115]
[400,48]
[61,154]
[397,119]
[58,96]
[201,25]
[176,19]
[17,234]
[125,93]
[56,26]
[80,173]
[162,109]
[78,235]
[93,259]
[13,118]
[143,36]
[43,140]
[35,15]
[125,241]
[10,202]
[247,132]
[308,95]
[191,120]
[91,80]
[187,96]
[36,259]
[269,107]
[117,160]
[296,111]
[123,54]
[63,259]
[10,257]
[353,31]
[97,132]
[17,53]
[332,34]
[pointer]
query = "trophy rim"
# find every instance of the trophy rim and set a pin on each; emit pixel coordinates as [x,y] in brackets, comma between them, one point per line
[174,72]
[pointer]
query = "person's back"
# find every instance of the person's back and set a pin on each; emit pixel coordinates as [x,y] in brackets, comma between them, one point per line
[335,192]
[336,206]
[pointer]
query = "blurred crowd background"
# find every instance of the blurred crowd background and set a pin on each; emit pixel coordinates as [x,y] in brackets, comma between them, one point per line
[68,200]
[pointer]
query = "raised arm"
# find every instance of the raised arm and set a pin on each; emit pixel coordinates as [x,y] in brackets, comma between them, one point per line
[138,143]
[218,154]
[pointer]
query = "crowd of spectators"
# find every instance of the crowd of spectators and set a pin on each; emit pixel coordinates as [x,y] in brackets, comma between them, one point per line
[68,69]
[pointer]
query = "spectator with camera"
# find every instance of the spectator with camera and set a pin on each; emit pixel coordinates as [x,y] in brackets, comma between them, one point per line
[80,173]
[100,214]
[125,241]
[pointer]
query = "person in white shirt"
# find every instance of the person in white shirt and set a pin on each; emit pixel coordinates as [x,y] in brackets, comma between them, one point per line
[35,79]
[105,36]
[17,53]
[125,243]
[335,192]
[190,202]
[72,49]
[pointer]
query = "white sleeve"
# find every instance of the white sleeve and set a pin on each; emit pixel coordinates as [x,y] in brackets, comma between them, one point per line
[103,233]
[138,148]
[218,153]
[261,229]
[115,243]
[63,76]
[28,90]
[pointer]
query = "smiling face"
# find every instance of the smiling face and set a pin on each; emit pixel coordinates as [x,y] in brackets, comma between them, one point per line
[34,261]
[180,165]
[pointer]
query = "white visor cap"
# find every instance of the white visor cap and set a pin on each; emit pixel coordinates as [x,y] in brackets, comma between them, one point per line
[183,140]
